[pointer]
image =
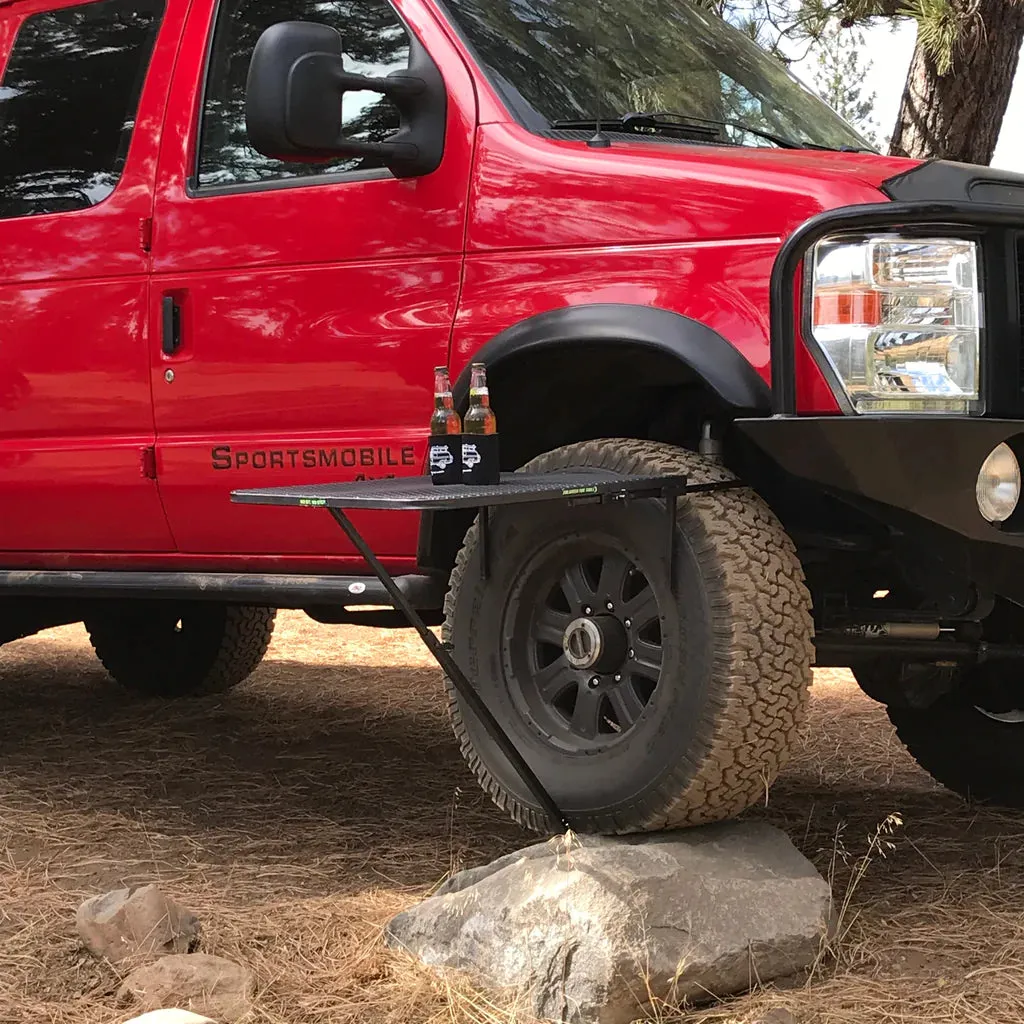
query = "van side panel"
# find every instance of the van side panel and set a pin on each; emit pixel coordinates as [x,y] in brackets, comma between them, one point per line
[76,415]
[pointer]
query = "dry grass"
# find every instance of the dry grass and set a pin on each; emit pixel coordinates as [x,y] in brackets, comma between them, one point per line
[298,813]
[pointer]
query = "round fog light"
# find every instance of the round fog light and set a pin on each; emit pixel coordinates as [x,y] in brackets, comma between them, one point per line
[998,486]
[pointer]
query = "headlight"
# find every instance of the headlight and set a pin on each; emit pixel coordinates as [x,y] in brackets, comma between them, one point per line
[898,320]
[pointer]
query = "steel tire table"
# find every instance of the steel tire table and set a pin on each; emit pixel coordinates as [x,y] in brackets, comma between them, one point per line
[420,494]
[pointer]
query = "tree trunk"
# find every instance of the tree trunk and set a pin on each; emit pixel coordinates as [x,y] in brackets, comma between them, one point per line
[957,116]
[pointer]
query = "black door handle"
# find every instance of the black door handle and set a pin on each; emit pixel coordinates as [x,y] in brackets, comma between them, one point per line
[171,326]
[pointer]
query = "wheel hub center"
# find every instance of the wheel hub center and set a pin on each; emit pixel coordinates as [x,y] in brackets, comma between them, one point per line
[597,644]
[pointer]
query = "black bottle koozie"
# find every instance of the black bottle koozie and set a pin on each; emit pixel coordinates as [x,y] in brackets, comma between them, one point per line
[480,462]
[444,455]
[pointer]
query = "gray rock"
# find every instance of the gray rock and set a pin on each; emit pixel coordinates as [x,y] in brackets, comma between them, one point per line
[207,985]
[136,922]
[596,934]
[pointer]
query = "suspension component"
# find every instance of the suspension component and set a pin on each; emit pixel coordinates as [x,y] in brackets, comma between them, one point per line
[895,630]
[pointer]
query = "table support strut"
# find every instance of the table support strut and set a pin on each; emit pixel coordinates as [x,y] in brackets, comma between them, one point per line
[443,657]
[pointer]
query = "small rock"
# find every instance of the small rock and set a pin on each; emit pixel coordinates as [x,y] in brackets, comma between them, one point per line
[138,921]
[593,935]
[170,1017]
[198,982]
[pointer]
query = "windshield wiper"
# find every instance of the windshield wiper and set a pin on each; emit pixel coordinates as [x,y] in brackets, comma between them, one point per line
[698,128]
[655,119]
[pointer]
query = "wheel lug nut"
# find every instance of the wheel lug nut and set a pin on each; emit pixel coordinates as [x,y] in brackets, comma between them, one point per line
[610,606]
[618,677]
[594,682]
[627,623]
[587,610]
[631,653]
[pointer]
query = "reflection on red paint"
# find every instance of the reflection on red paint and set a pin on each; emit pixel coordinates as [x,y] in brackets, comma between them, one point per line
[312,316]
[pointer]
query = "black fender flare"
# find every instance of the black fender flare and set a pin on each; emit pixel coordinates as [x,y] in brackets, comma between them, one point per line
[708,356]
[704,351]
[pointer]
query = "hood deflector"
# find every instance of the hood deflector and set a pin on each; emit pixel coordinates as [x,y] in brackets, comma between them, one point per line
[943,181]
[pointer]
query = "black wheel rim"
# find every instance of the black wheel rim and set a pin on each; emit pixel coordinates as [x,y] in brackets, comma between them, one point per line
[584,651]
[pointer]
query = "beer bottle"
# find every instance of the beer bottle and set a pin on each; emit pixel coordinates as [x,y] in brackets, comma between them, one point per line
[445,419]
[444,452]
[480,418]
[480,458]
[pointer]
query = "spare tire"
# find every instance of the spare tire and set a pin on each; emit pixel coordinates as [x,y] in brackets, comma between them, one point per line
[637,709]
[180,649]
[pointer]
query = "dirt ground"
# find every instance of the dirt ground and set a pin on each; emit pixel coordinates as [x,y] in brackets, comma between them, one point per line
[298,813]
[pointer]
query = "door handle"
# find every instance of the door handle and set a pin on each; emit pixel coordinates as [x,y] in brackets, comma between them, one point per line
[171,340]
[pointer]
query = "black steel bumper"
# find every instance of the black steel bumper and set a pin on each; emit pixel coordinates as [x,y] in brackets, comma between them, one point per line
[925,467]
[916,475]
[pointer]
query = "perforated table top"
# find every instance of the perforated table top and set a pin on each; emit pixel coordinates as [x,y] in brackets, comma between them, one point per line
[419,493]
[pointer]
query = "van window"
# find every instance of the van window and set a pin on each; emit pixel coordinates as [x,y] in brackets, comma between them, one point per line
[68,102]
[375,43]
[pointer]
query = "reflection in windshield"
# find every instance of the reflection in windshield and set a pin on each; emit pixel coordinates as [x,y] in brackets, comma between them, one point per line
[570,59]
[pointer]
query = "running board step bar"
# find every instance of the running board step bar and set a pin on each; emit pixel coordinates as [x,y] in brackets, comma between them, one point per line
[276,591]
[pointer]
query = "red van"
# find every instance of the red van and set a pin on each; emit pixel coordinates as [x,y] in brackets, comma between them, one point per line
[236,236]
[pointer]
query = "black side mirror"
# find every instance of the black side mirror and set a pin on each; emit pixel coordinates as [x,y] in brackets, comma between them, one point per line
[293,102]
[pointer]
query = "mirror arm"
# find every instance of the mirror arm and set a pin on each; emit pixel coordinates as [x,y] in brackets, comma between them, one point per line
[394,86]
[387,151]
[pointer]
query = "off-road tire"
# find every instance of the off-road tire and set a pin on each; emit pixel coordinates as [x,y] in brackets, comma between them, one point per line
[215,648]
[964,750]
[727,725]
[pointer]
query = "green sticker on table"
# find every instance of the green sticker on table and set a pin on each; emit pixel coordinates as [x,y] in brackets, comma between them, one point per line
[313,502]
[574,492]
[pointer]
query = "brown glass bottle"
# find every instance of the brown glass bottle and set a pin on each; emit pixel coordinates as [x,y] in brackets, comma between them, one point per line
[480,456]
[444,451]
[480,418]
[445,419]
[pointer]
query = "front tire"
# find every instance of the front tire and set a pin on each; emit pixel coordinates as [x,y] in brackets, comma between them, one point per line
[180,649]
[694,701]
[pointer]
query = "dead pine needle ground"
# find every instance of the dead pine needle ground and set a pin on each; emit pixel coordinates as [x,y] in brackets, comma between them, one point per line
[298,813]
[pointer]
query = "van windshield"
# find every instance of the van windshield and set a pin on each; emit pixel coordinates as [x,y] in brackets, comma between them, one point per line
[570,60]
